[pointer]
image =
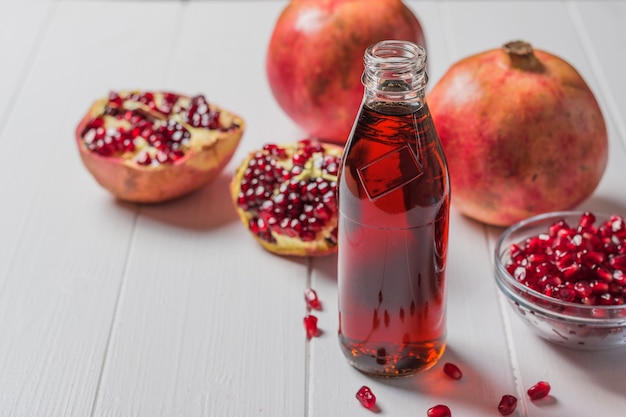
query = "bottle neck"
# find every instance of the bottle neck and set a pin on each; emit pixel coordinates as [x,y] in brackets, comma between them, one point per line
[395,73]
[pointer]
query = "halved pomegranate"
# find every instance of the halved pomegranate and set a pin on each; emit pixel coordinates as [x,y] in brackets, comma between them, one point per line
[150,147]
[286,196]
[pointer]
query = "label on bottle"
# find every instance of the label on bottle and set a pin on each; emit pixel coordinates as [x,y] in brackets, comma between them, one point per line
[389,172]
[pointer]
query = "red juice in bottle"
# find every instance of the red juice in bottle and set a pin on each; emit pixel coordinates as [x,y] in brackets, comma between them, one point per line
[394,199]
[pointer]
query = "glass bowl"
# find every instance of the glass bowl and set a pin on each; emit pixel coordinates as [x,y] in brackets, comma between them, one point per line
[571,324]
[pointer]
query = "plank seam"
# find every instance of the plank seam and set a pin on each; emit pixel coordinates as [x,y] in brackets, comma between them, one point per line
[116,311]
[508,336]
[28,66]
[596,69]
[307,346]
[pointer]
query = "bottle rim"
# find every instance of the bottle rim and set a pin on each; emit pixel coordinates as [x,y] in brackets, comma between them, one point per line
[397,60]
[396,52]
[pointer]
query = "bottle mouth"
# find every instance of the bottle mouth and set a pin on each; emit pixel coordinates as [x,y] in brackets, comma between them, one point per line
[396,51]
[395,65]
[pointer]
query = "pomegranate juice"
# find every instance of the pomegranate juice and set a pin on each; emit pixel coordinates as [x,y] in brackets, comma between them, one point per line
[393,232]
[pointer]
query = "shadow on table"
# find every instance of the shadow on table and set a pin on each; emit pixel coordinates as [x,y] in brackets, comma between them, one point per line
[605,368]
[471,389]
[325,267]
[208,208]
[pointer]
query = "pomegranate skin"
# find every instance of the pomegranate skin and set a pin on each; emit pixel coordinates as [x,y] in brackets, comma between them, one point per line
[207,156]
[522,132]
[314,59]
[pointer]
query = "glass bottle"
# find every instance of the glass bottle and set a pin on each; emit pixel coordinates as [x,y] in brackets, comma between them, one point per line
[394,202]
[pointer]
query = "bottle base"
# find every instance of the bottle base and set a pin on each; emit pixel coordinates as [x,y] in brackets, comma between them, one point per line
[395,361]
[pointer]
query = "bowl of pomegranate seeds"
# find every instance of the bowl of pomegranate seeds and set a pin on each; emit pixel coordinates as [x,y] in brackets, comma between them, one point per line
[564,274]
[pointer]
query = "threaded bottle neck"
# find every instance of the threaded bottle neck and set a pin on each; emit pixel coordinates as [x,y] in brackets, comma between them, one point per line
[395,71]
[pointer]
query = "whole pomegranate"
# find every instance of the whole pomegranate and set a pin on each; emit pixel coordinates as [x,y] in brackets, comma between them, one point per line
[522,132]
[315,58]
[149,147]
[286,196]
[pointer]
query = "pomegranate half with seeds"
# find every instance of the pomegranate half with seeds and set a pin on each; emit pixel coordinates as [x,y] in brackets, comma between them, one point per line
[286,196]
[149,147]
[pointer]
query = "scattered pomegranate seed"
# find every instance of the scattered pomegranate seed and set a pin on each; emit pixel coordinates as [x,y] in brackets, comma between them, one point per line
[439,410]
[582,263]
[538,391]
[452,370]
[312,301]
[507,405]
[366,397]
[310,324]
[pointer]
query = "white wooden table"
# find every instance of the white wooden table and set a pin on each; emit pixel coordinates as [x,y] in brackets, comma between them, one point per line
[114,309]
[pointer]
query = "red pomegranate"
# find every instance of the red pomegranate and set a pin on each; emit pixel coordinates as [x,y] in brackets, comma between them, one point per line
[315,58]
[522,132]
[286,196]
[150,147]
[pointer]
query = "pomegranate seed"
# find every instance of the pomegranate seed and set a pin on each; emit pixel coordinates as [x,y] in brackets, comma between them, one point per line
[571,272]
[582,288]
[115,98]
[144,158]
[587,219]
[507,405]
[366,397]
[565,293]
[312,301]
[260,228]
[162,157]
[618,262]
[299,159]
[604,274]
[310,325]
[439,410]
[538,391]
[606,299]
[592,258]
[617,225]
[599,287]
[177,154]
[452,370]
[558,228]
[565,260]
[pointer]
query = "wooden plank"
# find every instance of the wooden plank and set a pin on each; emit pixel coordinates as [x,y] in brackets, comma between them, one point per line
[210,324]
[600,29]
[19,44]
[66,241]
[113,309]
